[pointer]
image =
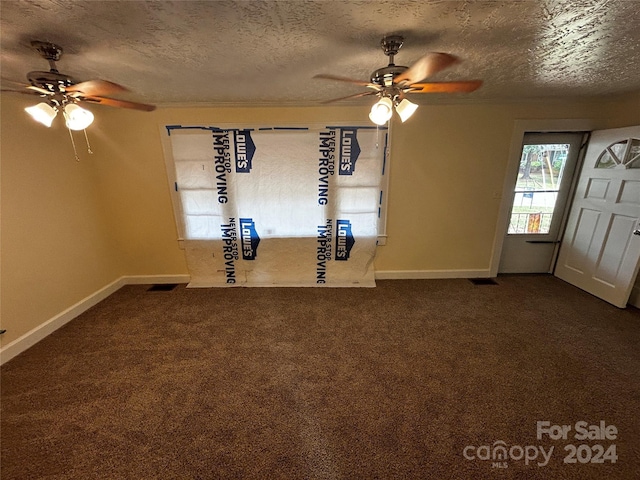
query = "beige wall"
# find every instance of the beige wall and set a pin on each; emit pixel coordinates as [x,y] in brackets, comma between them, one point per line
[69,228]
[447,174]
[56,247]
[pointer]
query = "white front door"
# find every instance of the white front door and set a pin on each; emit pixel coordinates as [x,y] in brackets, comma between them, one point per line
[539,198]
[600,251]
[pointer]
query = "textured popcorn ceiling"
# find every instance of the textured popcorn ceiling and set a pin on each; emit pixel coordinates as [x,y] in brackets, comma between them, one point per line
[266,52]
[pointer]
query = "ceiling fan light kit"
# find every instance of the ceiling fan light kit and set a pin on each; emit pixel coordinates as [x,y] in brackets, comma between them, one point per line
[405,109]
[381,111]
[77,118]
[394,82]
[62,92]
[43,113]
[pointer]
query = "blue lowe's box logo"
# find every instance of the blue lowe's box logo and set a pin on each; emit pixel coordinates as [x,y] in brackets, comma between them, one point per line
[349,151]
[249,238]
[245,149]
[344,240]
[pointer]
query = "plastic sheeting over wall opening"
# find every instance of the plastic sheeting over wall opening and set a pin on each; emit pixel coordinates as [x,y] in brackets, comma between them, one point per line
[278,206]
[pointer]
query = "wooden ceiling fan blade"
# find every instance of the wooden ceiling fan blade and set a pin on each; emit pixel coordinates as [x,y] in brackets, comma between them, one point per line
[92,88]
[22,92]
[39,90]
[445,87]
[338,78]
[426,66]
[13,84]
[357,95]
[113,102]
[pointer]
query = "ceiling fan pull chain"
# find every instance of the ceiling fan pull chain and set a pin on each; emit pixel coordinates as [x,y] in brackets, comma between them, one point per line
[75,152]
[87,139]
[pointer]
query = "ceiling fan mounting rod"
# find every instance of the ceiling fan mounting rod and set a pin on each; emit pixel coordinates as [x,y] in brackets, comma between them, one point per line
[384,76]
[52,80]
[391,45]
[49,51]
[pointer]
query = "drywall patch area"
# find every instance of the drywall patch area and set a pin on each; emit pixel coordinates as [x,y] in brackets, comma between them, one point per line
[483,281]
[162,287]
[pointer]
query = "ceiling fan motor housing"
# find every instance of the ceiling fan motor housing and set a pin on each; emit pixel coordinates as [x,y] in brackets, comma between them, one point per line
[52,80]
[49,80]
[391,44]
[384,76]
[50,51]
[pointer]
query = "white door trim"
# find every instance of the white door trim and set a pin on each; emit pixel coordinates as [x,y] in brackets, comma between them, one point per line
[519,129]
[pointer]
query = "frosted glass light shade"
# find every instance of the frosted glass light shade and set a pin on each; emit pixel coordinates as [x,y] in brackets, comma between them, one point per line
[381,111]
[77,118]
[405,109]
[43,113]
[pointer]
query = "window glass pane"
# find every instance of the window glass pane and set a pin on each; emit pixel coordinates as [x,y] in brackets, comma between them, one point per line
[634,154]
[195,174]
[200,202]
[612,155]
[536,191]
[286,177]
[605,161]
[202,227]
[618,150]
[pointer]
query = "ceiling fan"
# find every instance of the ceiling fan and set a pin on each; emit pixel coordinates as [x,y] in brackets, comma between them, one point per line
[62,92]
[394,82]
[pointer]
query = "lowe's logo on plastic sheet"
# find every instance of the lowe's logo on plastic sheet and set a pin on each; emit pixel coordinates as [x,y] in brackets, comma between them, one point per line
[249,238]
[222,163]
[344,240]
[245,149]
[326,163]
[229,249]
[349,150]
[323,250]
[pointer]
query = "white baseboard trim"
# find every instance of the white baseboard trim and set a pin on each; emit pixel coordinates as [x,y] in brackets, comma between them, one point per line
[634,298]
[32,337]
[430,274]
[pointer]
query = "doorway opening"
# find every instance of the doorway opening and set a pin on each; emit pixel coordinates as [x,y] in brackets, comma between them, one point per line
[538,201]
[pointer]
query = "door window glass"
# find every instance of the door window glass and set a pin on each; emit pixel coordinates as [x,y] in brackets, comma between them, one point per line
[612,156]
[622,154]
[539,179]
[634,154]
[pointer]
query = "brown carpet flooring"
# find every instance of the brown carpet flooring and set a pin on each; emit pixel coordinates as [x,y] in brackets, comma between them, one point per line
[285,383]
